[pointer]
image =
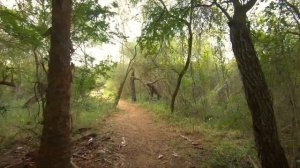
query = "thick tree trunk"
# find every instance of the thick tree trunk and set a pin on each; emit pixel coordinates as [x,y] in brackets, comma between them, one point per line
[132,86]
[257,94]
[55,148]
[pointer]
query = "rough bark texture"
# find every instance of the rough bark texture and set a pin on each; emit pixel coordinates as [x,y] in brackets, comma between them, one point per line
[55,148]
[257,94]
[132,86]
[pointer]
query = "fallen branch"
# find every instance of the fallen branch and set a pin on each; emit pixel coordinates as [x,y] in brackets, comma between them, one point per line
[253,162]
[73,164]
[10,84]
[186,138]
[79,156]
[108,161]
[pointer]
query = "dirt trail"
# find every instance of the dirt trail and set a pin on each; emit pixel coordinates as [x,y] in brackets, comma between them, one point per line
[129,138]
[148,144]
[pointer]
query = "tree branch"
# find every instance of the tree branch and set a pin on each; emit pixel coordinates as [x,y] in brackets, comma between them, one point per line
[249,5]
[294,33]
[151,83]
[236,4]
[294,8]
[166,9]
[223,10]
[203,5]
[11,84]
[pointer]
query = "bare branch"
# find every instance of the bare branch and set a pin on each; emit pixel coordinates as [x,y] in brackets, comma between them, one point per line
[11,84]
[294,8]
[203,5]
[151,83]
[223,10]
[164,5]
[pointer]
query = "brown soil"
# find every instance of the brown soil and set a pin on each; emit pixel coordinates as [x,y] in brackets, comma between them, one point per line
[150,144]
[129,138]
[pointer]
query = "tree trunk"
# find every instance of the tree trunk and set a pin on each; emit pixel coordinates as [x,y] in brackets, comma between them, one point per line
[120,90]
[55,148]
[257,94]
[188,60]
[129,68]
[132,86]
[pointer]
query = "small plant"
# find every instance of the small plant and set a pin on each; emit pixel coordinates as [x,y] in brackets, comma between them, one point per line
[229,154]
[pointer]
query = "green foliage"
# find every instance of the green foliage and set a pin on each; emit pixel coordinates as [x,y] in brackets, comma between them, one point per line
[227,147]
[90,21]
[162,25]
[19,26]
[24,46]
[87,78]
[89,112]
[229,154]
[18,123]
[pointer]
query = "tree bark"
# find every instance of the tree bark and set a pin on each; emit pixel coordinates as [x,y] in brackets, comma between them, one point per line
[55,147]
[132,86]
[257,93]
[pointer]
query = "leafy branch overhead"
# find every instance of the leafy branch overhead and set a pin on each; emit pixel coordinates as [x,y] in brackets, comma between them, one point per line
[162,24]
[90,21]
[29,22]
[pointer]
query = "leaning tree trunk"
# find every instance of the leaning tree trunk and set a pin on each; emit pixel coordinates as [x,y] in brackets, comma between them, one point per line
[120,89]
[129,68]
[132,86]
[257,94]
[55,148]
[188,60]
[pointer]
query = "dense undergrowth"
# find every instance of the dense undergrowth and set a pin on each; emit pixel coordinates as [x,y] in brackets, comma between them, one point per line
[19,124]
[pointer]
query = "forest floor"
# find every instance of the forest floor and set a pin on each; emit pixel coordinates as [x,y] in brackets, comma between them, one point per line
[134,139]
[129,138]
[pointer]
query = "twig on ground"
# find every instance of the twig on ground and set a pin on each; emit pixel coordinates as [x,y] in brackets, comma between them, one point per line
[79,156]
[186,138]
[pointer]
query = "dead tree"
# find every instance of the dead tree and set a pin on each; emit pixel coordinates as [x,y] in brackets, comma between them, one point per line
[152,90]
[129,68]
[132,86]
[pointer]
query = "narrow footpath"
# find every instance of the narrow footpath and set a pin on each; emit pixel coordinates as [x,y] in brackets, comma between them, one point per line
[146,143]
